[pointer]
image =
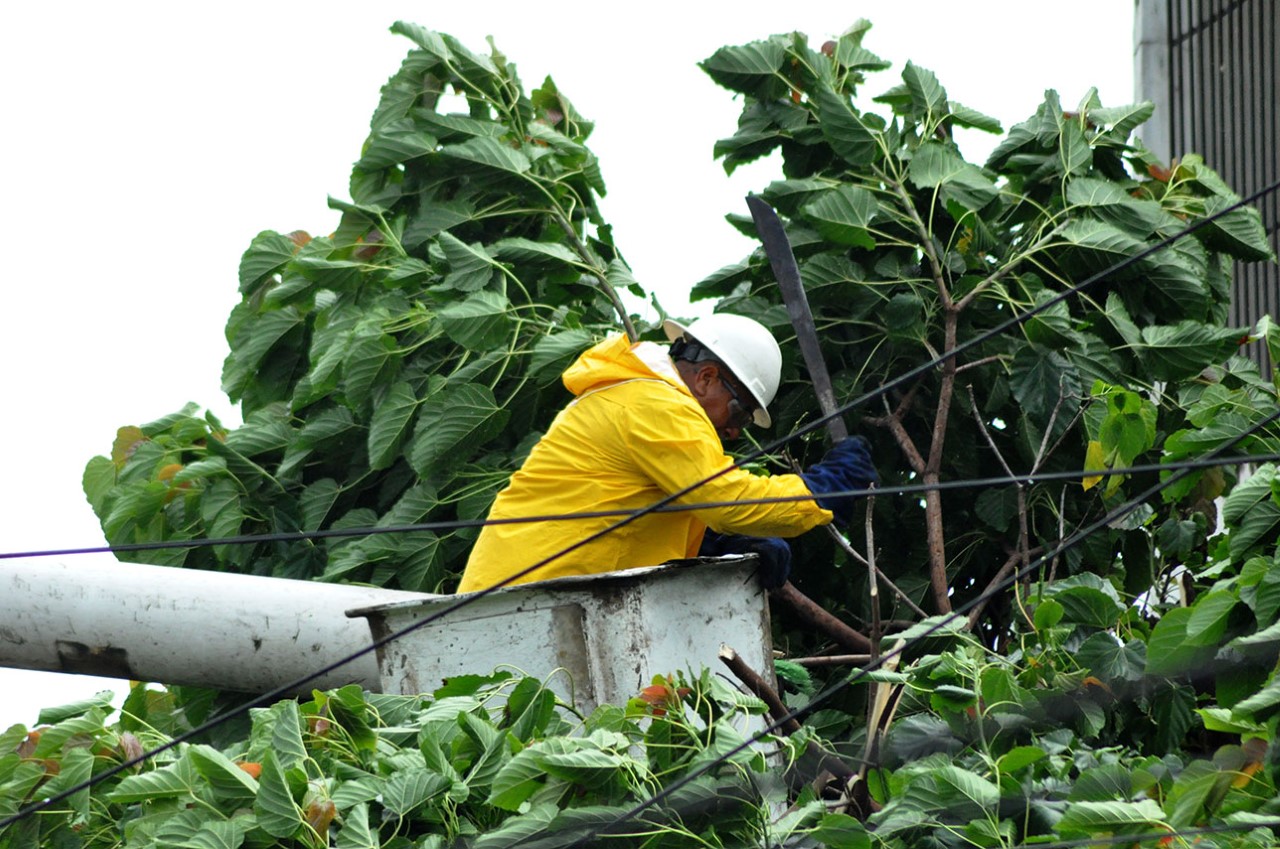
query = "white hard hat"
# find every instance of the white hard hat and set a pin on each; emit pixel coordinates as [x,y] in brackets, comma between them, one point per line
[745,347]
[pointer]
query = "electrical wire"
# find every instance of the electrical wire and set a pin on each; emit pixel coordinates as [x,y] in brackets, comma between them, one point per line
[470,598]
[943,623]
[685,507]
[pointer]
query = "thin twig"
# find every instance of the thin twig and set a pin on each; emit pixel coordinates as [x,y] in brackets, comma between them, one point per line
[871,579]
[832,660]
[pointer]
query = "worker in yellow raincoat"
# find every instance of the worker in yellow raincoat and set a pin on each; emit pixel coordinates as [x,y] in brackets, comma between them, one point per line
[648,421]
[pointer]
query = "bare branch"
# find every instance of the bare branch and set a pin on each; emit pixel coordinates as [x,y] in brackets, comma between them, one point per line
[818,617]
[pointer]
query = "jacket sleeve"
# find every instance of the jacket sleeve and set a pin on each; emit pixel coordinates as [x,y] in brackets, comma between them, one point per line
[672,441]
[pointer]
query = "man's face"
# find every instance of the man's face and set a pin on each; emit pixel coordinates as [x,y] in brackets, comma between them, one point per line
[725,401]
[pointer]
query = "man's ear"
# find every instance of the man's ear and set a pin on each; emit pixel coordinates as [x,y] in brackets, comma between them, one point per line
[704,377]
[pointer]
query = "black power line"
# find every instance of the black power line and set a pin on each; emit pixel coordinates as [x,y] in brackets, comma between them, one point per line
[684,507]
[911,374]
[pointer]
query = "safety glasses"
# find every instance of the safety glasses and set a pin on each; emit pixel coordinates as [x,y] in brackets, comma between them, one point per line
[740,414]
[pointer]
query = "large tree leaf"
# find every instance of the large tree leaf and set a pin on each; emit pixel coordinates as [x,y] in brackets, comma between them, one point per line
[751,68]
[390,425]
[1239,233]
[1185,349]
[479,323]
[843,215]
[228,781]
[455,417]
[1043,381]
[1111,660]
[356,833]
[553,353]
[844,130]
[395,142]
[937,165]
[409,789]
[267,253]
[175,780]
[1120,121]
[1168,651]
[928,97]
[1110,817]
[489,153]
[470,266]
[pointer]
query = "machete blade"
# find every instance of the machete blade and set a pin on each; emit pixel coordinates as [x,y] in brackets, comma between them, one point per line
[787,273]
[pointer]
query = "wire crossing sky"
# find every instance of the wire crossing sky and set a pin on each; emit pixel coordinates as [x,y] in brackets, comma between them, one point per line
[1216,456]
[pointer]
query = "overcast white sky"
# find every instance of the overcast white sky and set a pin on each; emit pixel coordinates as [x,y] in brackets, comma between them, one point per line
[146,143]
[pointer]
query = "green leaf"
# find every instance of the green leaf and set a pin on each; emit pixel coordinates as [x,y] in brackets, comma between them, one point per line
[843,215]
[75,768]
[587,767]
[1172,712]
[455,417]
[966,117]
[389,426]
[1209,617]
[1168,652]
[1110,817]
[1019,757]
[750,68]
[962,789]
[937,165]
[1042,381]
[228,781]
[553,353]
[489,153]
[1120,121]
[278,814]
[844,130]
[217,834]
[286,733]
[409,789]
[341,275]
[1048,613]
[1222,719]
[928,97]
[267,253]
[355,832]
[252,344]
[395,142]
[54,715]
[470,266]
[368,360]
[548,255]
[1239,233]
[518,779]
[1185,349]
[841,831]
[1097,246]
[1107,658]
[1102,783]
[1074,154]
[479,323]
[176,780]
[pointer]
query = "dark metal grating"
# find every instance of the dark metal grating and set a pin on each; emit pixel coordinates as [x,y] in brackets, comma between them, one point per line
[1223,83]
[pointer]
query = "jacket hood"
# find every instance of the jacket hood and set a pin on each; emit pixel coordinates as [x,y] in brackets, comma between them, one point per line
[616,360]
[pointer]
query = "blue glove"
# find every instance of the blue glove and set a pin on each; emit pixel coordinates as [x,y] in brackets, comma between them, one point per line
[773,553]
[847,466]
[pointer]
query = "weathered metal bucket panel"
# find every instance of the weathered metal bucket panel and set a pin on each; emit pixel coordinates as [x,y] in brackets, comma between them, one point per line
[595,640]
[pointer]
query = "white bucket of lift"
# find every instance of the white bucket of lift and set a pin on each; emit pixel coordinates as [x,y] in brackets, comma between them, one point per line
[594,640]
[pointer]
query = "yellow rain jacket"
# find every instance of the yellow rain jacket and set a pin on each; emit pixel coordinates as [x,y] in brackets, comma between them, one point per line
[633,435]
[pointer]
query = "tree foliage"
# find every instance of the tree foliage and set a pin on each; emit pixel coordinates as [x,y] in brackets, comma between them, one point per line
[396,372]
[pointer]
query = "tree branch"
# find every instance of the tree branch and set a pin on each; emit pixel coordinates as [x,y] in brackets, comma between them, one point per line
[817,616]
